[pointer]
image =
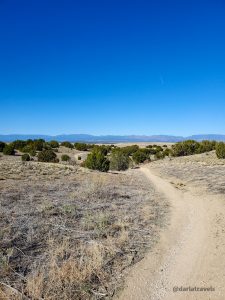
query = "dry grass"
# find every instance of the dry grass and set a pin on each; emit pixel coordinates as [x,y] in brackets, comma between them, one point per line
[68,233]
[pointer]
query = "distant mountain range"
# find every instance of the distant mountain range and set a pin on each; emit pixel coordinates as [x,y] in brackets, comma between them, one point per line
[111,138]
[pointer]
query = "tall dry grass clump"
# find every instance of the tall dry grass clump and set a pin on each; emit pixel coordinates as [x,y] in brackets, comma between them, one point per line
[73,272]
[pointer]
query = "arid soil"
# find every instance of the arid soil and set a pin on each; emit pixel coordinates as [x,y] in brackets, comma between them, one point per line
[191,251]
[70,233]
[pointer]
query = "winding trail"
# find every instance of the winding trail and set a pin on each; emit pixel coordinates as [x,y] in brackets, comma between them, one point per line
[190,252]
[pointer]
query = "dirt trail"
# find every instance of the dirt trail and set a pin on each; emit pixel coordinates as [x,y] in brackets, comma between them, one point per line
[191,250]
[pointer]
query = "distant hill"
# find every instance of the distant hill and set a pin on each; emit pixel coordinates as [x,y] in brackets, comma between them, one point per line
[112,138]
[211,137]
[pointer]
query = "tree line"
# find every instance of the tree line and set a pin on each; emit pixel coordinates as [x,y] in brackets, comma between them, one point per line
[109,157]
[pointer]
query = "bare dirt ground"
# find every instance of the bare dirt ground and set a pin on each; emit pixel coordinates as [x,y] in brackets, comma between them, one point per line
[191,250]
[70,233]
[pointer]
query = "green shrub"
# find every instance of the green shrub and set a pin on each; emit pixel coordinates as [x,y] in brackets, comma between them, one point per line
[38,144]
[102,148]
[53,144]
[9,149]
[25,157]
[65,157]
[167,152]
[31,149]
[147,151]
[185,148]
[81,146]
[159,155]
[47,156]
[67,144]
[2,146]
[96,160]
[220,150]
[158,148]
[19,144]
[129,150]
[79,157]
[90,146]
[140,156]
[47,146]
[206,146]
[152,151]
[119,161]
[191,147]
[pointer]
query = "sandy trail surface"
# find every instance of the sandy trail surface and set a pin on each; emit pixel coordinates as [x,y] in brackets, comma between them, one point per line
[190,252]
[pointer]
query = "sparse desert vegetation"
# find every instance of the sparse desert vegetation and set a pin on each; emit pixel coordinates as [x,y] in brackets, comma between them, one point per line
[65,157]
[220,150]
[47,156]
[70,233]
[25,157]
[8,150]
[67,144]
[97,160]
[119,160]
[106,157]
[203,171]
[191,147]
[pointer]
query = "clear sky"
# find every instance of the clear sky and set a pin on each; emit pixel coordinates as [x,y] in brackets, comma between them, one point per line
[112,66]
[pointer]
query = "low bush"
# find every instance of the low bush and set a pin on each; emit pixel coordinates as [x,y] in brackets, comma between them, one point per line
[206,146]
[119,161]
[159,155]
[67,144]
[29,149]
[152,151]
[65,157]
[25,157]
[220,150]
[129,150]
[185,148]
[140,156]
[19,144]
[47,156]
[38,144]
[53,144]
[47,146]
[2,146]
[191,147]
[90,146]
[102,148]
[81,146]
[96,160]
[9,149]
[79,157]
[167,152]
[158,148]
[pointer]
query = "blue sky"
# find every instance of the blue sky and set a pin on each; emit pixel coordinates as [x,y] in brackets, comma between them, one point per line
[112,67]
